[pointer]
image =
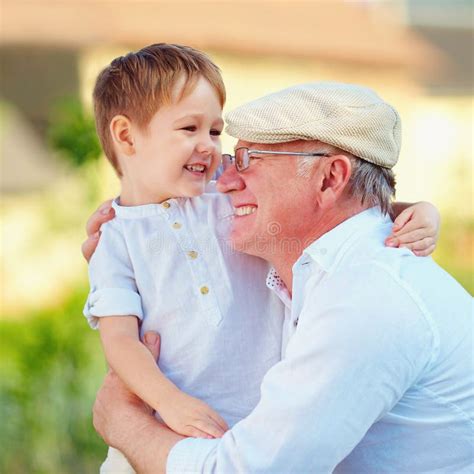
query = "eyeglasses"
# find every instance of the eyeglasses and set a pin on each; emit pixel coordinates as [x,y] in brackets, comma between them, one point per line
[243,157]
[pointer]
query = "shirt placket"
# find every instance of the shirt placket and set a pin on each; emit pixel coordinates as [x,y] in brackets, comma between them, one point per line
[202,283]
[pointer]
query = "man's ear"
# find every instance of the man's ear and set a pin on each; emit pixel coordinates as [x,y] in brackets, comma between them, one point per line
[335,174]
[121,131]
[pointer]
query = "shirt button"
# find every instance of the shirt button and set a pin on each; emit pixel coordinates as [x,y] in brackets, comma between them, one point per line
[176,225]
[204,290]
[295,322]
[192,254]
[166,205]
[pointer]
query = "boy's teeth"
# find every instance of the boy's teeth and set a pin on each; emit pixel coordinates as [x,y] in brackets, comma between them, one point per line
[245,210]
[199,168]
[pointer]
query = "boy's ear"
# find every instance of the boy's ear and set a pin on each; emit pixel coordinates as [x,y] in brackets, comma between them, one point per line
[121,131]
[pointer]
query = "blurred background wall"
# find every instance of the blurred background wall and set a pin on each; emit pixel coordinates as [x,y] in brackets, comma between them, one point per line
[417,54]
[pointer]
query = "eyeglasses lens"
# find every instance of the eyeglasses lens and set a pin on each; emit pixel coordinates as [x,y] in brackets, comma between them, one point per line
[241,159]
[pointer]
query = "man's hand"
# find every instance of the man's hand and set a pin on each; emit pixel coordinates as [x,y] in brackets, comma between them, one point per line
[416,228]
[103,214]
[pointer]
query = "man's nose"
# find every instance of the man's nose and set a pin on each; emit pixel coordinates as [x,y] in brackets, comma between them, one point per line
[230,180]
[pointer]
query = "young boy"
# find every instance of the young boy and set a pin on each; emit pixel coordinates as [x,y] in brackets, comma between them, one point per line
[163,263]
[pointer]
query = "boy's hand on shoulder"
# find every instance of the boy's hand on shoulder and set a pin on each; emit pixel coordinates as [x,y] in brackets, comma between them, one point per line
[416,228]
[103,214]
[189,416]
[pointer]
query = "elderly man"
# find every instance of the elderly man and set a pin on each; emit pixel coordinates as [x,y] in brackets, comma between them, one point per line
[376,372]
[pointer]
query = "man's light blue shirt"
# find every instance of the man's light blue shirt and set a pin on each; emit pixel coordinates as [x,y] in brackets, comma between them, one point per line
[376,373]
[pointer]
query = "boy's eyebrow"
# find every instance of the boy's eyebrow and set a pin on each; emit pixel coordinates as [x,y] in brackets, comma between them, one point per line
[220,121]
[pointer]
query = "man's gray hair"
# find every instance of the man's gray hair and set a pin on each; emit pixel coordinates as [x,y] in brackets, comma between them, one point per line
[369,184]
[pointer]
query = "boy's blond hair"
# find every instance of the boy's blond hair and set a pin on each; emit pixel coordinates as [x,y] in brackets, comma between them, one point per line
[138,84]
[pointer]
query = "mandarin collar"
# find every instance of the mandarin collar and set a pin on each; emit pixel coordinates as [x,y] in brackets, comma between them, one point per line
[145,210]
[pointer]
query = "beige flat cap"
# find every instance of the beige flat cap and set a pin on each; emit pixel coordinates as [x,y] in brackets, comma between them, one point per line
[350,117]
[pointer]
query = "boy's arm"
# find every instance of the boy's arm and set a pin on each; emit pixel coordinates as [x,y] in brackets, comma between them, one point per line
[131,361]
[126,423]
[416,226]
[134,364]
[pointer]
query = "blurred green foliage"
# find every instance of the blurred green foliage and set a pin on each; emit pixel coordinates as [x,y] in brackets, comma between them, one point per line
[72,132]
[455,250]
[51,366]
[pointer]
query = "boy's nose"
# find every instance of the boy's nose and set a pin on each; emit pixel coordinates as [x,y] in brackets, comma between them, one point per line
[206,145]
[230,180]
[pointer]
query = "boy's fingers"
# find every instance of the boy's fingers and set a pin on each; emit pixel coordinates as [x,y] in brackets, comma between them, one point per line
[408,227]
[411,237]
[152,341]
[103,214]
[402,219]
[391,241]
[89,246]
[419,245]
[425,253]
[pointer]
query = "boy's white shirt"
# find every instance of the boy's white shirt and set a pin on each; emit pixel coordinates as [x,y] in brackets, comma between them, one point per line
[171,265]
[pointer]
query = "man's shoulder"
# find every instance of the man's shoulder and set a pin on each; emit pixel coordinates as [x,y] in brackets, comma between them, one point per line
[366,302]
[394,271]
[377,277]
[368,255]
[393,289]
[373,279]
[420,276]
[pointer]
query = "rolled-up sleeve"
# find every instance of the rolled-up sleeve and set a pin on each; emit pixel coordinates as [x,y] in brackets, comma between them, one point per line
[113,290]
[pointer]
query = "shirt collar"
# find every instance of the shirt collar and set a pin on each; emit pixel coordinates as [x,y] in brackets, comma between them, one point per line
[330,247]
[276,284]
[328,250]
[145,210]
